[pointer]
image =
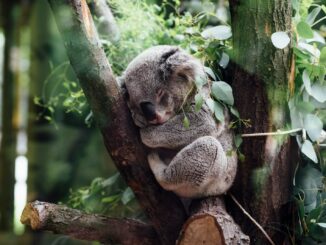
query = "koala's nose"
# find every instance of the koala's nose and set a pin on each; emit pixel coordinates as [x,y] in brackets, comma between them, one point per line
[148,110]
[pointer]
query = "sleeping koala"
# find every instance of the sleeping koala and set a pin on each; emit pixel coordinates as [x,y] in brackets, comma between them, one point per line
[193,162]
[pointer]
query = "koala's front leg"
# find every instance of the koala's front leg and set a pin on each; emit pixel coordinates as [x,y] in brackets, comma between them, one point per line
[199,169]
[173,135]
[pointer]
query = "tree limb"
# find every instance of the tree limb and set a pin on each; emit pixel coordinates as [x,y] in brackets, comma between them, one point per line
[107,24]
[74,223]
[209,223]
[106,99]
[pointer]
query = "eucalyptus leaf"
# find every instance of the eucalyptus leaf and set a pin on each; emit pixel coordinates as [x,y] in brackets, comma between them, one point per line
[318,91]
[304,30]
[322,58]
[186,122]
[210,104]
[312,15]
[210,72]
[308,149]
[221,32]
[322,225]
[235,112]
[199,100]
[316,38]
[127,196]
[309,48]
[219,111]
[309,180]
[306,81]
[313,125]
[238,140]
[200,82]
[223,91]
[224,60]
[305,107]
[280,39]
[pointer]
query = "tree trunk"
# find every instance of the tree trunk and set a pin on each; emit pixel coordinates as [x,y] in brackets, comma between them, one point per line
[41,134]
[9,114]
[106,99]
[259,76]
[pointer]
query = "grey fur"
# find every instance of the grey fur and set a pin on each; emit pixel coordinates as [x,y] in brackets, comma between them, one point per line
[204,161]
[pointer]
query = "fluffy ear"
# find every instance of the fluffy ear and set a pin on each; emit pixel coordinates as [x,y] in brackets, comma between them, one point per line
[122,84]
[176,64]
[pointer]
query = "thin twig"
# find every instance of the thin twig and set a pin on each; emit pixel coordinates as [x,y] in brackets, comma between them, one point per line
[273,133]
[252,219]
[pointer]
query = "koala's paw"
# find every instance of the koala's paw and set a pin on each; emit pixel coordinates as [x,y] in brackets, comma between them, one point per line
[153,158]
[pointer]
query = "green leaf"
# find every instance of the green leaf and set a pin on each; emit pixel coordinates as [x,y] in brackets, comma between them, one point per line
[304,30]
[280,39]
[110,199]
[224,61]
[308,149]
[186,122]
[48,118]
[305,107]
[309,180]
[199,100]
[306,81]
[241,157]
[223,91]
[238,140]
[235,112]
[322,58]
[210,104]
[210,72]
[127,196]
[318,91]
[221,32]
[219,111]
[312,15]
[313,125]
[200,82]
[111,180]
[322,225]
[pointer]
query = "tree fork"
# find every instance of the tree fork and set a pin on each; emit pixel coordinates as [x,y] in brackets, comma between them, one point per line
[164,209]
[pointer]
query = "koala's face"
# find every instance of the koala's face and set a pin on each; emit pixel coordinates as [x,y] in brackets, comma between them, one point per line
[158,81]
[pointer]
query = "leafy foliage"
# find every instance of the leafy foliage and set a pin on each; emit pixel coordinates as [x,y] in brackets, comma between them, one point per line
[307,106]
[106,196]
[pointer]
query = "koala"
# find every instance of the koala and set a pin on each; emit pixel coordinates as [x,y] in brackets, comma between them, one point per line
[193,162]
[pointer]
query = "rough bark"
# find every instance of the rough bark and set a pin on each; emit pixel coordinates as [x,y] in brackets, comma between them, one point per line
[210,224]
[121,137]
[74,223]
[259,79]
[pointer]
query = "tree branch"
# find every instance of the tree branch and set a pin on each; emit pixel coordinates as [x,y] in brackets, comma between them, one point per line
[209,223]
[107,24]
[74,223]
[106,99]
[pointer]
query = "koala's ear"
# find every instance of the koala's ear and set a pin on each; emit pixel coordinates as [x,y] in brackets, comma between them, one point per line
[177,64]
[122,84]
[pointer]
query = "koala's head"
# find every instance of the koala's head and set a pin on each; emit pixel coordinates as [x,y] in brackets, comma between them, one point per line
[158,82]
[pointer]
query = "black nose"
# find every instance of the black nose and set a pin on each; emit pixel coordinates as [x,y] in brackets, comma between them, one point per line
[148,110]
